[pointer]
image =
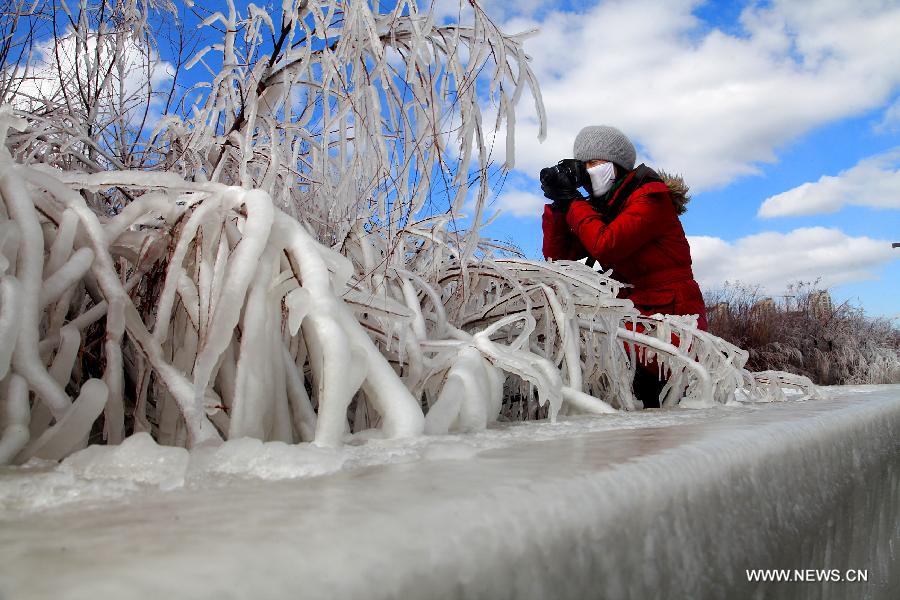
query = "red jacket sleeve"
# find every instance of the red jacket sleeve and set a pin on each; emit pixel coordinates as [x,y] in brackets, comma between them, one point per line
[559,242]
[641,220]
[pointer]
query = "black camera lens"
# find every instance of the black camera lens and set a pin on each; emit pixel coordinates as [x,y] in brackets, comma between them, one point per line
[546,173]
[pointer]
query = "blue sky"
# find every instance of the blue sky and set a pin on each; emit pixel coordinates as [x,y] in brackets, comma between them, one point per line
[784,117]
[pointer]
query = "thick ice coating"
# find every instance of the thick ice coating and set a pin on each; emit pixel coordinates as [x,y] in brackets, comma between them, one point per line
[673,504]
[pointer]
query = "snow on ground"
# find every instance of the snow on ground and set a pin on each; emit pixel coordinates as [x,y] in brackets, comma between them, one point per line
[673,502]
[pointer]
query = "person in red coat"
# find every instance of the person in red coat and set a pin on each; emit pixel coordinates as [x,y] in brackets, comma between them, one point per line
[628,224]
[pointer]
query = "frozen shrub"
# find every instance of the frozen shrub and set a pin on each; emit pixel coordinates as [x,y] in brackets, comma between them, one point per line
[803,332]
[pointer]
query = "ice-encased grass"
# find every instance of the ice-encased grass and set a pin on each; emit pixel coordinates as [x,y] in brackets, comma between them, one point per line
[272,262]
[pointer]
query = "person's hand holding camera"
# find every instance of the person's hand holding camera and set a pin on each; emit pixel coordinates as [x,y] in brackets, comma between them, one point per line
[560,183]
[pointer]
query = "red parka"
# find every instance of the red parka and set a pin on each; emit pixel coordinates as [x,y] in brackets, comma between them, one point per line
[643,243]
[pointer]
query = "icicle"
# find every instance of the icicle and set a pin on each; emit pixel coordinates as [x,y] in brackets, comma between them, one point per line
[113,375]
[586,403]
[66,276]
[242,266]
[16,415]
[71,430]
[253,386]
[302,414]
[175,272]
[26,358]
[10,300]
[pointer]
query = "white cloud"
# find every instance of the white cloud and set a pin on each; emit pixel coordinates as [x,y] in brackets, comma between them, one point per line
[706,103]
[461,10]
[873,182]
[136,74]
[890,122]
[774,260]
[519,203]
[448,10]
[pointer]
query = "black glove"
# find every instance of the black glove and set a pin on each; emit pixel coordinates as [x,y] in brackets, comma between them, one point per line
[560,183]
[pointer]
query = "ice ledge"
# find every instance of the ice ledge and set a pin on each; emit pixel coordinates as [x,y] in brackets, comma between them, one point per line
[675,511]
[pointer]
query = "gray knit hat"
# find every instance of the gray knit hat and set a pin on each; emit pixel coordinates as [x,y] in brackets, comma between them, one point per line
[601,142]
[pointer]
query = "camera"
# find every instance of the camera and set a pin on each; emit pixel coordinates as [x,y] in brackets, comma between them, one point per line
[567,173]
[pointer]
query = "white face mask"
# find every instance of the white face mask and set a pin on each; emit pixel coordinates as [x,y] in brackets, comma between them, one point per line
[602,178]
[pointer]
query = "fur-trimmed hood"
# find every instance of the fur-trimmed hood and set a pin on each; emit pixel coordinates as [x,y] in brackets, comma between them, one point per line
[678,189]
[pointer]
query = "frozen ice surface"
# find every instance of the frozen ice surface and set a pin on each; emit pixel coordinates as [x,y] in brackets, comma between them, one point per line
[661,504]
[272,460]
[138,459]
